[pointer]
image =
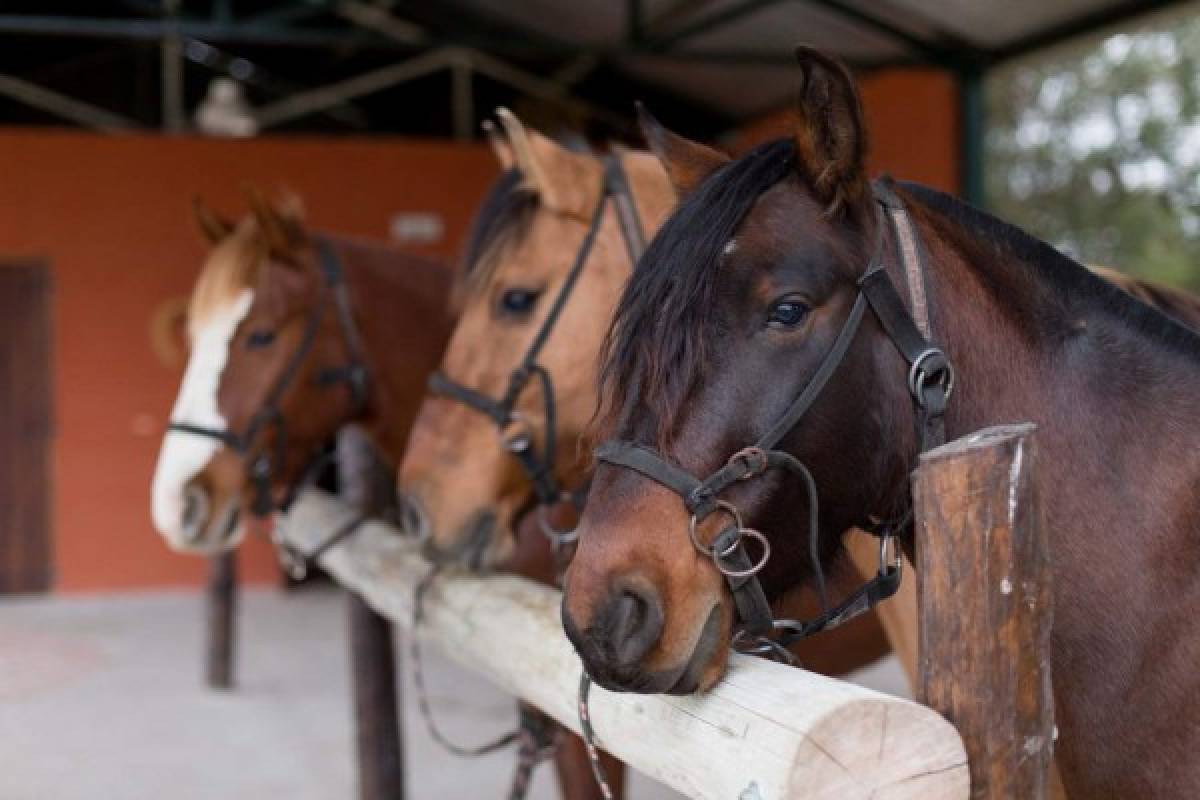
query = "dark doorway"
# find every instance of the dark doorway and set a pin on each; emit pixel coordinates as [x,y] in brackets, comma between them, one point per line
[26,426]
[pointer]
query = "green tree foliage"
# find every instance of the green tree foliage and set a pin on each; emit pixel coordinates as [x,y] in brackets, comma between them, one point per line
[1097,150]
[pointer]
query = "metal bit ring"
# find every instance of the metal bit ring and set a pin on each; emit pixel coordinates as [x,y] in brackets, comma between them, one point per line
[753,569]
[707,549]
[557,536]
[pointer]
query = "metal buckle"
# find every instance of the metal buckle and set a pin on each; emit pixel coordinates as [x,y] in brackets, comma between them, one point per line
[517,433]
[762,646]
[918,376]
[558,537]
[754,459]
[896,563]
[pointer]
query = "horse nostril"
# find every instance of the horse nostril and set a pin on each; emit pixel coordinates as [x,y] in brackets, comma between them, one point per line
[195,512]
[636,621]
[412,519]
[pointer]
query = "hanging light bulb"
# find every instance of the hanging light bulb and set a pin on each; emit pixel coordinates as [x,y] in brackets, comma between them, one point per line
[224,111]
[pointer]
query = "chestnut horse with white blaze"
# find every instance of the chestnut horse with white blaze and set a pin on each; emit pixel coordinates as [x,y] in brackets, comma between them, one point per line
[292,335]
[784,306]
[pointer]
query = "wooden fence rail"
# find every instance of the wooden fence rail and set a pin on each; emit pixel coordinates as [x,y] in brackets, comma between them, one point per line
[765,732]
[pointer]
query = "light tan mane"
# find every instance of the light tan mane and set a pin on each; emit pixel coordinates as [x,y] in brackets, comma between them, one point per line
[232,266]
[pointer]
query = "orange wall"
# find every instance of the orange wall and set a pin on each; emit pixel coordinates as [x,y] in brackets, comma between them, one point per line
[112,216]
[912,122]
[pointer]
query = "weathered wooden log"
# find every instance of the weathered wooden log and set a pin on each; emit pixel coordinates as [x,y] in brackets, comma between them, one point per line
[984,589]
[367,485]
[221,611]
[766,731]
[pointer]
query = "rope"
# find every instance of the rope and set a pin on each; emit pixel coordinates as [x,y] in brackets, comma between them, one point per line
[536,735]
[588,734]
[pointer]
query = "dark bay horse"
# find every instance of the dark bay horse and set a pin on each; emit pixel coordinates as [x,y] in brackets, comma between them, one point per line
[732,312]
[271,373]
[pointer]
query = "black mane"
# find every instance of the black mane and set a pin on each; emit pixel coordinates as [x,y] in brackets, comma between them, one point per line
[505,213]
[657,339]
[657,344]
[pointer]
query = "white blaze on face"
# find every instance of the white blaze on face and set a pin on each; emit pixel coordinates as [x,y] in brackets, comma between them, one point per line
[183,455]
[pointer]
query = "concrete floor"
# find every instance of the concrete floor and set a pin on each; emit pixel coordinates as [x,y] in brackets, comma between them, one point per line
[102,697]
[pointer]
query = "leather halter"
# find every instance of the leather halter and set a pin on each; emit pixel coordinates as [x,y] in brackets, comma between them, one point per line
[511,424]
[354,374]
[930,382]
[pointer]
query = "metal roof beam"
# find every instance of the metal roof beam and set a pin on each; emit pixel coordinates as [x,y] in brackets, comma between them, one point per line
[152,29]
[68,108]
[322,98]
[710,22]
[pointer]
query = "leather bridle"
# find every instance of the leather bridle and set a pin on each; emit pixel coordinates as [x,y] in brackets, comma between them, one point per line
[930,382]
[264,465]
[513,427]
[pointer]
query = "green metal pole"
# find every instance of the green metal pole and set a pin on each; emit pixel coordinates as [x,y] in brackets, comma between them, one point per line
[972,120]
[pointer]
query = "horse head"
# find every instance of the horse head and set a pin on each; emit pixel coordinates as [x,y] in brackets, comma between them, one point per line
[254,404]
[727,319]
[542,271]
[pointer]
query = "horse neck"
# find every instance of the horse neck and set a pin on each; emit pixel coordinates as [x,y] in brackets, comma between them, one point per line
[400,307]
[1115,403]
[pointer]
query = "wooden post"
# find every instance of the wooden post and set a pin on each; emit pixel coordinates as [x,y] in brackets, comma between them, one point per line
[221,602]
[367,484]
[984,590]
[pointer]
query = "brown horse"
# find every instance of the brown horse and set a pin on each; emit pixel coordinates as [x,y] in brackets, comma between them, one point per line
[262,286]
[733,311]
[293,336]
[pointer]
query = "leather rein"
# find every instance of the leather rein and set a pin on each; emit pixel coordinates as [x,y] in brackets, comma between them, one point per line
[264,466]
[513,427]
[930,382]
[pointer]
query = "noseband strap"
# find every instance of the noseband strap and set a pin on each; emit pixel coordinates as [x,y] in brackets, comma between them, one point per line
[930,382]
[262,469]
[512,426]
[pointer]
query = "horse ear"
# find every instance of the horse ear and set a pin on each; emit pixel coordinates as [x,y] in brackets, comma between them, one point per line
[831,139]
[283,232]
[687,163]
[211,224]
[566,182]
[500,146]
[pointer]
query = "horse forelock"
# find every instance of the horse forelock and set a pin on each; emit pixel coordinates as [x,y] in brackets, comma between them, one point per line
[660,336]
[502,219]
[232,267]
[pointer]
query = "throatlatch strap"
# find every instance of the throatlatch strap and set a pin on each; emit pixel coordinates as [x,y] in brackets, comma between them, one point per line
[909,246]
[881,587]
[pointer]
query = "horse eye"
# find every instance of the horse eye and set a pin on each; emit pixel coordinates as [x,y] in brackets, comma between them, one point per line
[519,301]
[259,339]
[787,314]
